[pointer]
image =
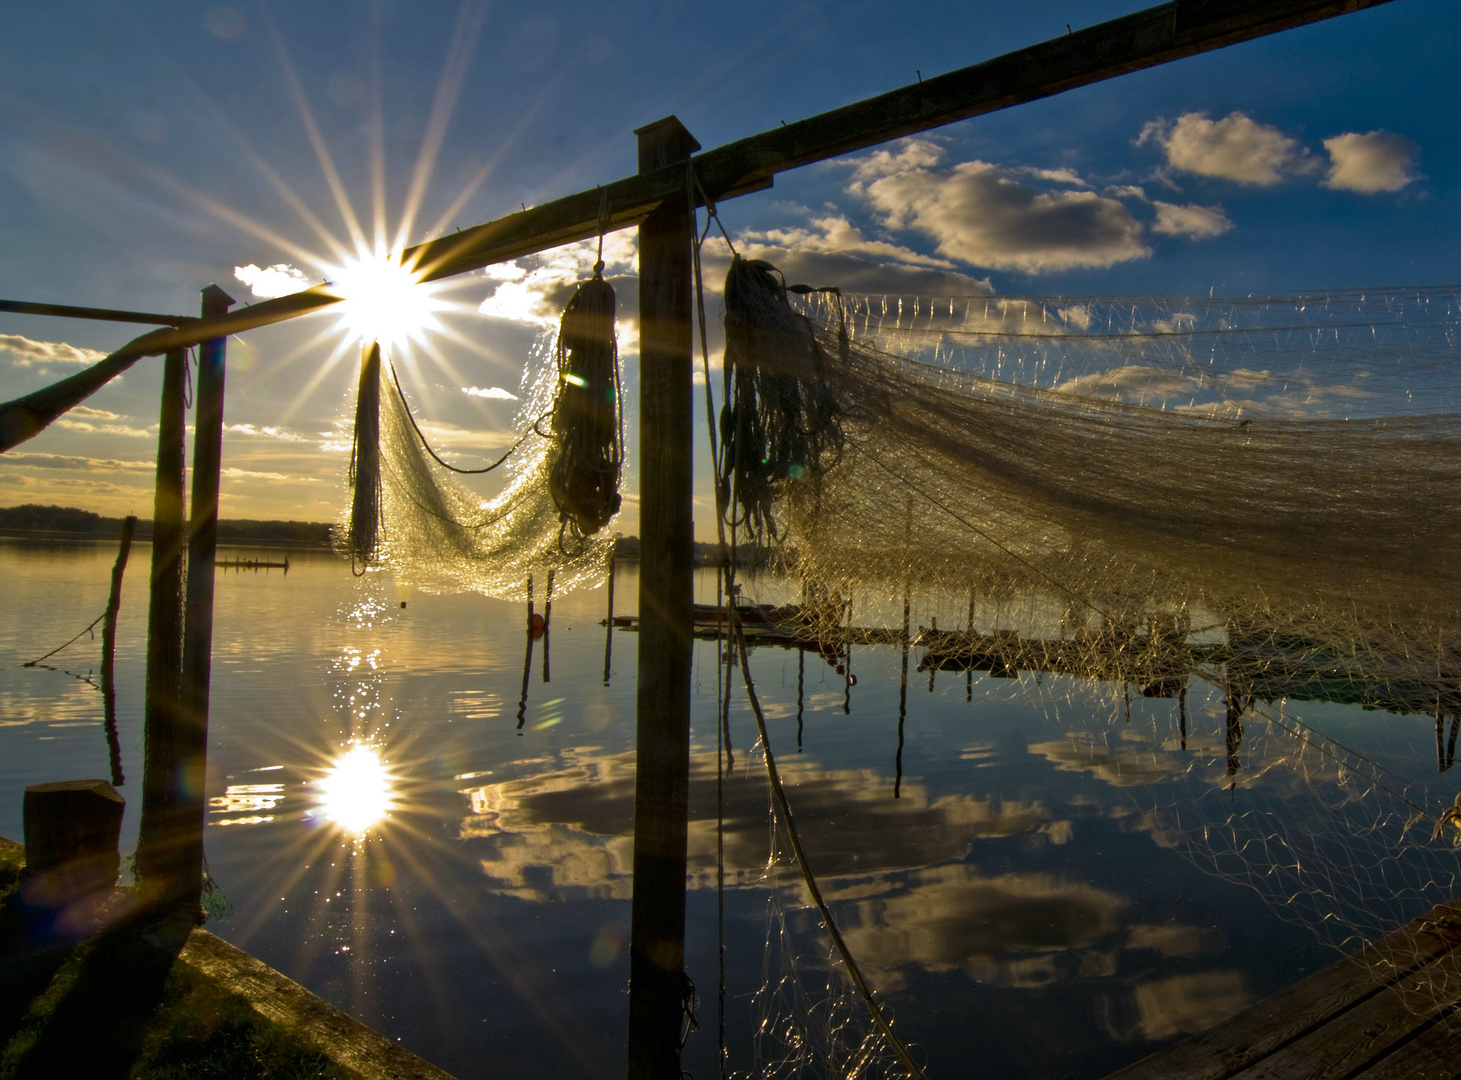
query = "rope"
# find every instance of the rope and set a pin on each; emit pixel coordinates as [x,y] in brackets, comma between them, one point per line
[73,641]
[437,457]
[738,644]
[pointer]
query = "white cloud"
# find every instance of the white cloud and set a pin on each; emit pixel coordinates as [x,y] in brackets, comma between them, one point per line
[534,289]
[28,352]
[1126,191]
[1077,316]
[1370,163]
[265,432]
[69,424]
[1191,221]
[1233,148]
[836,234]
[281,279]
[496,392]
[988,215]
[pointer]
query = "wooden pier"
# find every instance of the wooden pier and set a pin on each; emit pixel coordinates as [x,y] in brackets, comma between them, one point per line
[1391,1011]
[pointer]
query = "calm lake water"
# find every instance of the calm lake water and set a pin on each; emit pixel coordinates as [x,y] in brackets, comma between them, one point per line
[1057,884]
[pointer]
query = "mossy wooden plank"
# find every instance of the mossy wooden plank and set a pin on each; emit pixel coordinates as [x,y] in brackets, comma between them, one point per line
[1258,1031]
[345,1040]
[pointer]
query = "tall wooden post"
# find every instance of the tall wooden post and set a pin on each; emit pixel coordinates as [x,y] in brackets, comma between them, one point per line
[156,852]
[192,733]
[657,982]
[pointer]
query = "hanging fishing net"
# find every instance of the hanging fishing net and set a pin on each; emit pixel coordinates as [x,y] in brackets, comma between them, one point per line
[410,515]
[1247,510]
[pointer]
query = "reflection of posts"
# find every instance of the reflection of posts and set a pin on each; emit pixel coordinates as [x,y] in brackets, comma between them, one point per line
[1234,701]
[522,703]
[902,702]
[658,988]
[609,624]
[192,732]
[164,636]
[547,620]
[1446,751]
[109,650]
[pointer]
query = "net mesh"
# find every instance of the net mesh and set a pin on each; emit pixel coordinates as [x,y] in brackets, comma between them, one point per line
[441,536]
[1252,502]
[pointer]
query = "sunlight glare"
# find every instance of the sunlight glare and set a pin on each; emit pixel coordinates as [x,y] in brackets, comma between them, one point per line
[385,301]
[357,791]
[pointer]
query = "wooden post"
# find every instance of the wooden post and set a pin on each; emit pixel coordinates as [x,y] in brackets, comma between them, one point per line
[71,832]
[609,624]
[164,640]
[109,650]
[192,733]
[657,983]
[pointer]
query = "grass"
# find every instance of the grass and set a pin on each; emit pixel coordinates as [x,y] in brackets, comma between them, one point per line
[122,1006]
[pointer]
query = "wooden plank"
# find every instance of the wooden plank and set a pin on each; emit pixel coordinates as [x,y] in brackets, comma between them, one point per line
[1435,1054]
[345,1040]
[1235,1044]
[1363,1034]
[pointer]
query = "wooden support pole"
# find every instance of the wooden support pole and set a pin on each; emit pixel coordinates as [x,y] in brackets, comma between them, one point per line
[192,741]
[657,983]
[109,650]
[156,850]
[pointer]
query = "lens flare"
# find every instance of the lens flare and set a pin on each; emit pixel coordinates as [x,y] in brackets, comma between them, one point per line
[358,791]
[385,300]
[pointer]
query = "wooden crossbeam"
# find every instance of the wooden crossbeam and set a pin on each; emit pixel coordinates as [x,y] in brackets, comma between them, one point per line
[1145,39]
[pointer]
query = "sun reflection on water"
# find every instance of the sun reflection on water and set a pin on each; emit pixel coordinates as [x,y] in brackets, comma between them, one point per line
[358,791]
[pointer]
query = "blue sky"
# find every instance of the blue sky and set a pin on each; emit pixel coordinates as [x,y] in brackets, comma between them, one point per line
[147,149]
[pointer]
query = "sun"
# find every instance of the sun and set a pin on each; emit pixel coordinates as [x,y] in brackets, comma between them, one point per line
[358,791]
[384,300]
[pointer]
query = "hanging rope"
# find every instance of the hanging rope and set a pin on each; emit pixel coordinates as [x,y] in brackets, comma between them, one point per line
[406,406]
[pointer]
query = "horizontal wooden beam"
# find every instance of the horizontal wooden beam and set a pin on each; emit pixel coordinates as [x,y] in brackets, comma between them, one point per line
[1146,39]
[68,311]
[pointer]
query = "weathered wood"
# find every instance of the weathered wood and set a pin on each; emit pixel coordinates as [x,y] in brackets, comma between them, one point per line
[666,569]
[71,311]
[1145,39]
[1258,1031]
[192,730]
[162,702]
[71,832]
[342,1038]
[1435,1054]
[109,649]
[1361,1035]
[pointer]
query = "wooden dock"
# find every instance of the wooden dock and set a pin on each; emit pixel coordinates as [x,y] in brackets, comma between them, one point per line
[1391,1011]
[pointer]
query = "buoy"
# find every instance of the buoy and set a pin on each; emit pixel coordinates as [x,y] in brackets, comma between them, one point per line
[537,624]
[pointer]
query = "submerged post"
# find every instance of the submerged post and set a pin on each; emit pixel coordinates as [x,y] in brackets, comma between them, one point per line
[157,870]
[192,733]
[657,982]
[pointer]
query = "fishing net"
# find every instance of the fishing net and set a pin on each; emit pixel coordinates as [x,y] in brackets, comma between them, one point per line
[439,535]
[1249,504]
[1322,549]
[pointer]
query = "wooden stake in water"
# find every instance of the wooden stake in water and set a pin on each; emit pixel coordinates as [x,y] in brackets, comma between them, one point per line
[109,650]
[162,707]
[192,741]
[658,988]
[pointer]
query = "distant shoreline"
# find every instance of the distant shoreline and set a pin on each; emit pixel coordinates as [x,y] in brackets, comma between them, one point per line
[67,525]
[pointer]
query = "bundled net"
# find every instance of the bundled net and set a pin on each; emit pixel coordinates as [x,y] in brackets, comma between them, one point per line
[410,515]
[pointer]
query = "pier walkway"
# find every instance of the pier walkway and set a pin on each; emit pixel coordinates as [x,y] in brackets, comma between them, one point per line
[1391,1011]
